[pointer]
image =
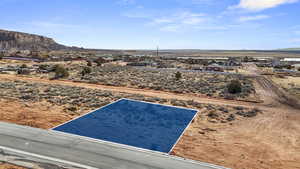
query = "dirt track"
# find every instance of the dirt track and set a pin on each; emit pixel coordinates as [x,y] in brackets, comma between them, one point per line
[268,141]
[146,92]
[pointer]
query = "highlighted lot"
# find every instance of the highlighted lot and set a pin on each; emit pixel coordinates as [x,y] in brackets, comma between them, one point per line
[144,125]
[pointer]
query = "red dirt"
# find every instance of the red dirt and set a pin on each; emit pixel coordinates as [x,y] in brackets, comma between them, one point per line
[9,166]
[40,115]
[270,140]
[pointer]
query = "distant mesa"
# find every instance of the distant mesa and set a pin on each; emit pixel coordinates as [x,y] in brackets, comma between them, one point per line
[24,41]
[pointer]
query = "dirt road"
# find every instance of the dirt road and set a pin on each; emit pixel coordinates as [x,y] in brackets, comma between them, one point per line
[146,92]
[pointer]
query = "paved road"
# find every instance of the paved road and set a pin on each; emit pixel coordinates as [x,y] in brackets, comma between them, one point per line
[81,152]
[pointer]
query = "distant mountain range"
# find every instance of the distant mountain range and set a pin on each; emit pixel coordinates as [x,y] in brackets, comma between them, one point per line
[25,41]
[290,49]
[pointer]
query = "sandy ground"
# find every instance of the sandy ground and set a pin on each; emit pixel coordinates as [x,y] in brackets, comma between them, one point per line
[270,140]
[9,166]
[40,115]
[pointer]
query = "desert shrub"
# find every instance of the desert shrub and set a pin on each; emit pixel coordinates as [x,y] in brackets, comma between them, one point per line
[23,66]
[178,76]
[23,71]
[86,70]
[72,108]
[43,67]
[213,114]
[234,87]
[55,67]
[60,72]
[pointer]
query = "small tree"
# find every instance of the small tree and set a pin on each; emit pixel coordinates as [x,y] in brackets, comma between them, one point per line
[86,70]
[99,61]
[61,72]
[89,63]
[234,87]
[1,55]
[289,67]
[178,76]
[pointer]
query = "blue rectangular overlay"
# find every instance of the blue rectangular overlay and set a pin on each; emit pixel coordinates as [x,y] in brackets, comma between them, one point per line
[140,124]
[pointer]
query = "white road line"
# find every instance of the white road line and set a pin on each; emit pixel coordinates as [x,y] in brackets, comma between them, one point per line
[46,158]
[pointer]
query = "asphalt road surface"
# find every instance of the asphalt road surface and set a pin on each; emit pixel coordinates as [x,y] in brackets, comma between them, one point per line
[47,147]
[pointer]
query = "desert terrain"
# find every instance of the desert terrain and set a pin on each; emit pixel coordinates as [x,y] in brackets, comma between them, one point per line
[251,130]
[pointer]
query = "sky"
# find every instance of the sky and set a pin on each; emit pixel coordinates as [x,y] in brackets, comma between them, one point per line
[169,24]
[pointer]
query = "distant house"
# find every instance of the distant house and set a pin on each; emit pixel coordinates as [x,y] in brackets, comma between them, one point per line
[296,66]
[214,67]
[233,63]
[137,64]
[197,68]
[142,63]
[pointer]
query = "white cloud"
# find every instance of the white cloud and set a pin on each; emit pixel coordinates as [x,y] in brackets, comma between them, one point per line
[253,18]
[258,5]
[170,22]
[178,21]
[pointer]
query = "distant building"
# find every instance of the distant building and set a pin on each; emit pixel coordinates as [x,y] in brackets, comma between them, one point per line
[214,67]
[290,60]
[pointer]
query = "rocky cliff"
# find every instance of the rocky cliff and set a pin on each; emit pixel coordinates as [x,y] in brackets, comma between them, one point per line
[25,41]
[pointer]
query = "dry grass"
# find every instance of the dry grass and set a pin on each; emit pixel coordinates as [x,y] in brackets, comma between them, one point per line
[291,84]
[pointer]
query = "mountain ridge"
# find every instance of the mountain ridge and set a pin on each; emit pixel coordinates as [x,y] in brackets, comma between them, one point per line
[26,41]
